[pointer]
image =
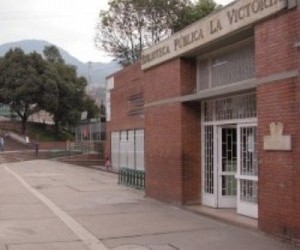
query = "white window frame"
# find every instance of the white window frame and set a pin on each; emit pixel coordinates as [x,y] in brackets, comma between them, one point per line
[212,199]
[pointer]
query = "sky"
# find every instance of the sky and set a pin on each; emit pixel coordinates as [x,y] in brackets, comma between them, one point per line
[69,24]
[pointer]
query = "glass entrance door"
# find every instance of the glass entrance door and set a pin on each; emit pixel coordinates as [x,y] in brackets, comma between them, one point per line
[227,166]
[247,173]
[229,154]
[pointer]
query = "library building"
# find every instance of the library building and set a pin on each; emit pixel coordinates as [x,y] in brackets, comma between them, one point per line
[212,115]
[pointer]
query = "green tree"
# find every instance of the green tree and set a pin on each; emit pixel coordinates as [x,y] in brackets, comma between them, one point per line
[71,97]
[52,54]
[102,112]
[193,13]
[129,26]
[93,111]
[23,83]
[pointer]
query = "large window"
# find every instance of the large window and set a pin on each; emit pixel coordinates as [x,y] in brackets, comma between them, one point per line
[227,66]
[127,149]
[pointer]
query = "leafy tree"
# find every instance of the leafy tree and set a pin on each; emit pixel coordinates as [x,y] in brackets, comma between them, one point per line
[71,97]
[92,109]
[102,111]
[52,54]
[24,83]
[193,13]
[129,26]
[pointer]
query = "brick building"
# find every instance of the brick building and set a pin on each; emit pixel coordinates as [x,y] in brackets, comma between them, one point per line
[125,118]
[221,113]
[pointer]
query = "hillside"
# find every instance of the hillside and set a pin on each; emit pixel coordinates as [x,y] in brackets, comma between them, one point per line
[98,70]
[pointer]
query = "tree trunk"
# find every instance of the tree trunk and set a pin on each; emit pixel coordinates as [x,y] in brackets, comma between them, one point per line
[56,125]
[24,123]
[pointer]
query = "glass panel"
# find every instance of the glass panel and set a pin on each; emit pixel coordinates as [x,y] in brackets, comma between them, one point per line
[234,66]
[209,159]
[229,150]
[248,149]
[248,191]
[228,185]
[225,68]
[238,107]
[229,161]
[203,74]
[229,108]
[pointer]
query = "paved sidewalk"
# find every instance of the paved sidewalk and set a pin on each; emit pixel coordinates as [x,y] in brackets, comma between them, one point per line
[48,205]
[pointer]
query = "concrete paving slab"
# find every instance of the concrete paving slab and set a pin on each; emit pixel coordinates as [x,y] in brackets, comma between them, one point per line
[24,211]
[80,200]
[34,231]
[49,246]
[131,247]
[119,216]
[150,247]
[118,208]
[17,199]
[12,188]
[213,239]
[126,225]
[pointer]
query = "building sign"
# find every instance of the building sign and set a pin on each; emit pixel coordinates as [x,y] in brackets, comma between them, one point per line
[229,19]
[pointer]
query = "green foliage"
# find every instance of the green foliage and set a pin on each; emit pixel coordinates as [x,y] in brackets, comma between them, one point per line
[44,132]
[93,111]
[52,54]
[22,82]
[30,83]
[193,13]
[129,26]
[69,104]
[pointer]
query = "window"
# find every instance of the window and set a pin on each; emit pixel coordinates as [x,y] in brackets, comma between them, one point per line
[228,66]
[230,108]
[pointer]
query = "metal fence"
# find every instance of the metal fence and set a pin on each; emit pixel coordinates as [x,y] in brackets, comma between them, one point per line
[131,177]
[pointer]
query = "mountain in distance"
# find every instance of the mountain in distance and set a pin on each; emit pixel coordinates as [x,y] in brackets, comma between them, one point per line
[98,70]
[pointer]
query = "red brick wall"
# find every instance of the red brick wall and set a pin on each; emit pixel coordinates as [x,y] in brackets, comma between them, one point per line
[172,134]
[53,145]
[191,128]
[162,81]
[279,171]
[163,153]
[127,82]
[191,152]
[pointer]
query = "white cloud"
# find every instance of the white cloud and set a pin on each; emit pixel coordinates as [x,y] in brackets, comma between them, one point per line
[69,24]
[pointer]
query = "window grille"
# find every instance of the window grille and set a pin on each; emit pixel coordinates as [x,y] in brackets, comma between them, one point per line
[229,108]
[209,159]
[226,68]
[203,74]
[136,105]
[209,111]
[229,160]
[248,151]
[248,191]
[229,186]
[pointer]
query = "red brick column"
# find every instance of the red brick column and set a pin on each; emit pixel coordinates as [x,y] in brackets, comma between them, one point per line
[172,134]
[279,101]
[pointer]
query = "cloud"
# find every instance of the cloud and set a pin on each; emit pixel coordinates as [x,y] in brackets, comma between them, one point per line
[69,24]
